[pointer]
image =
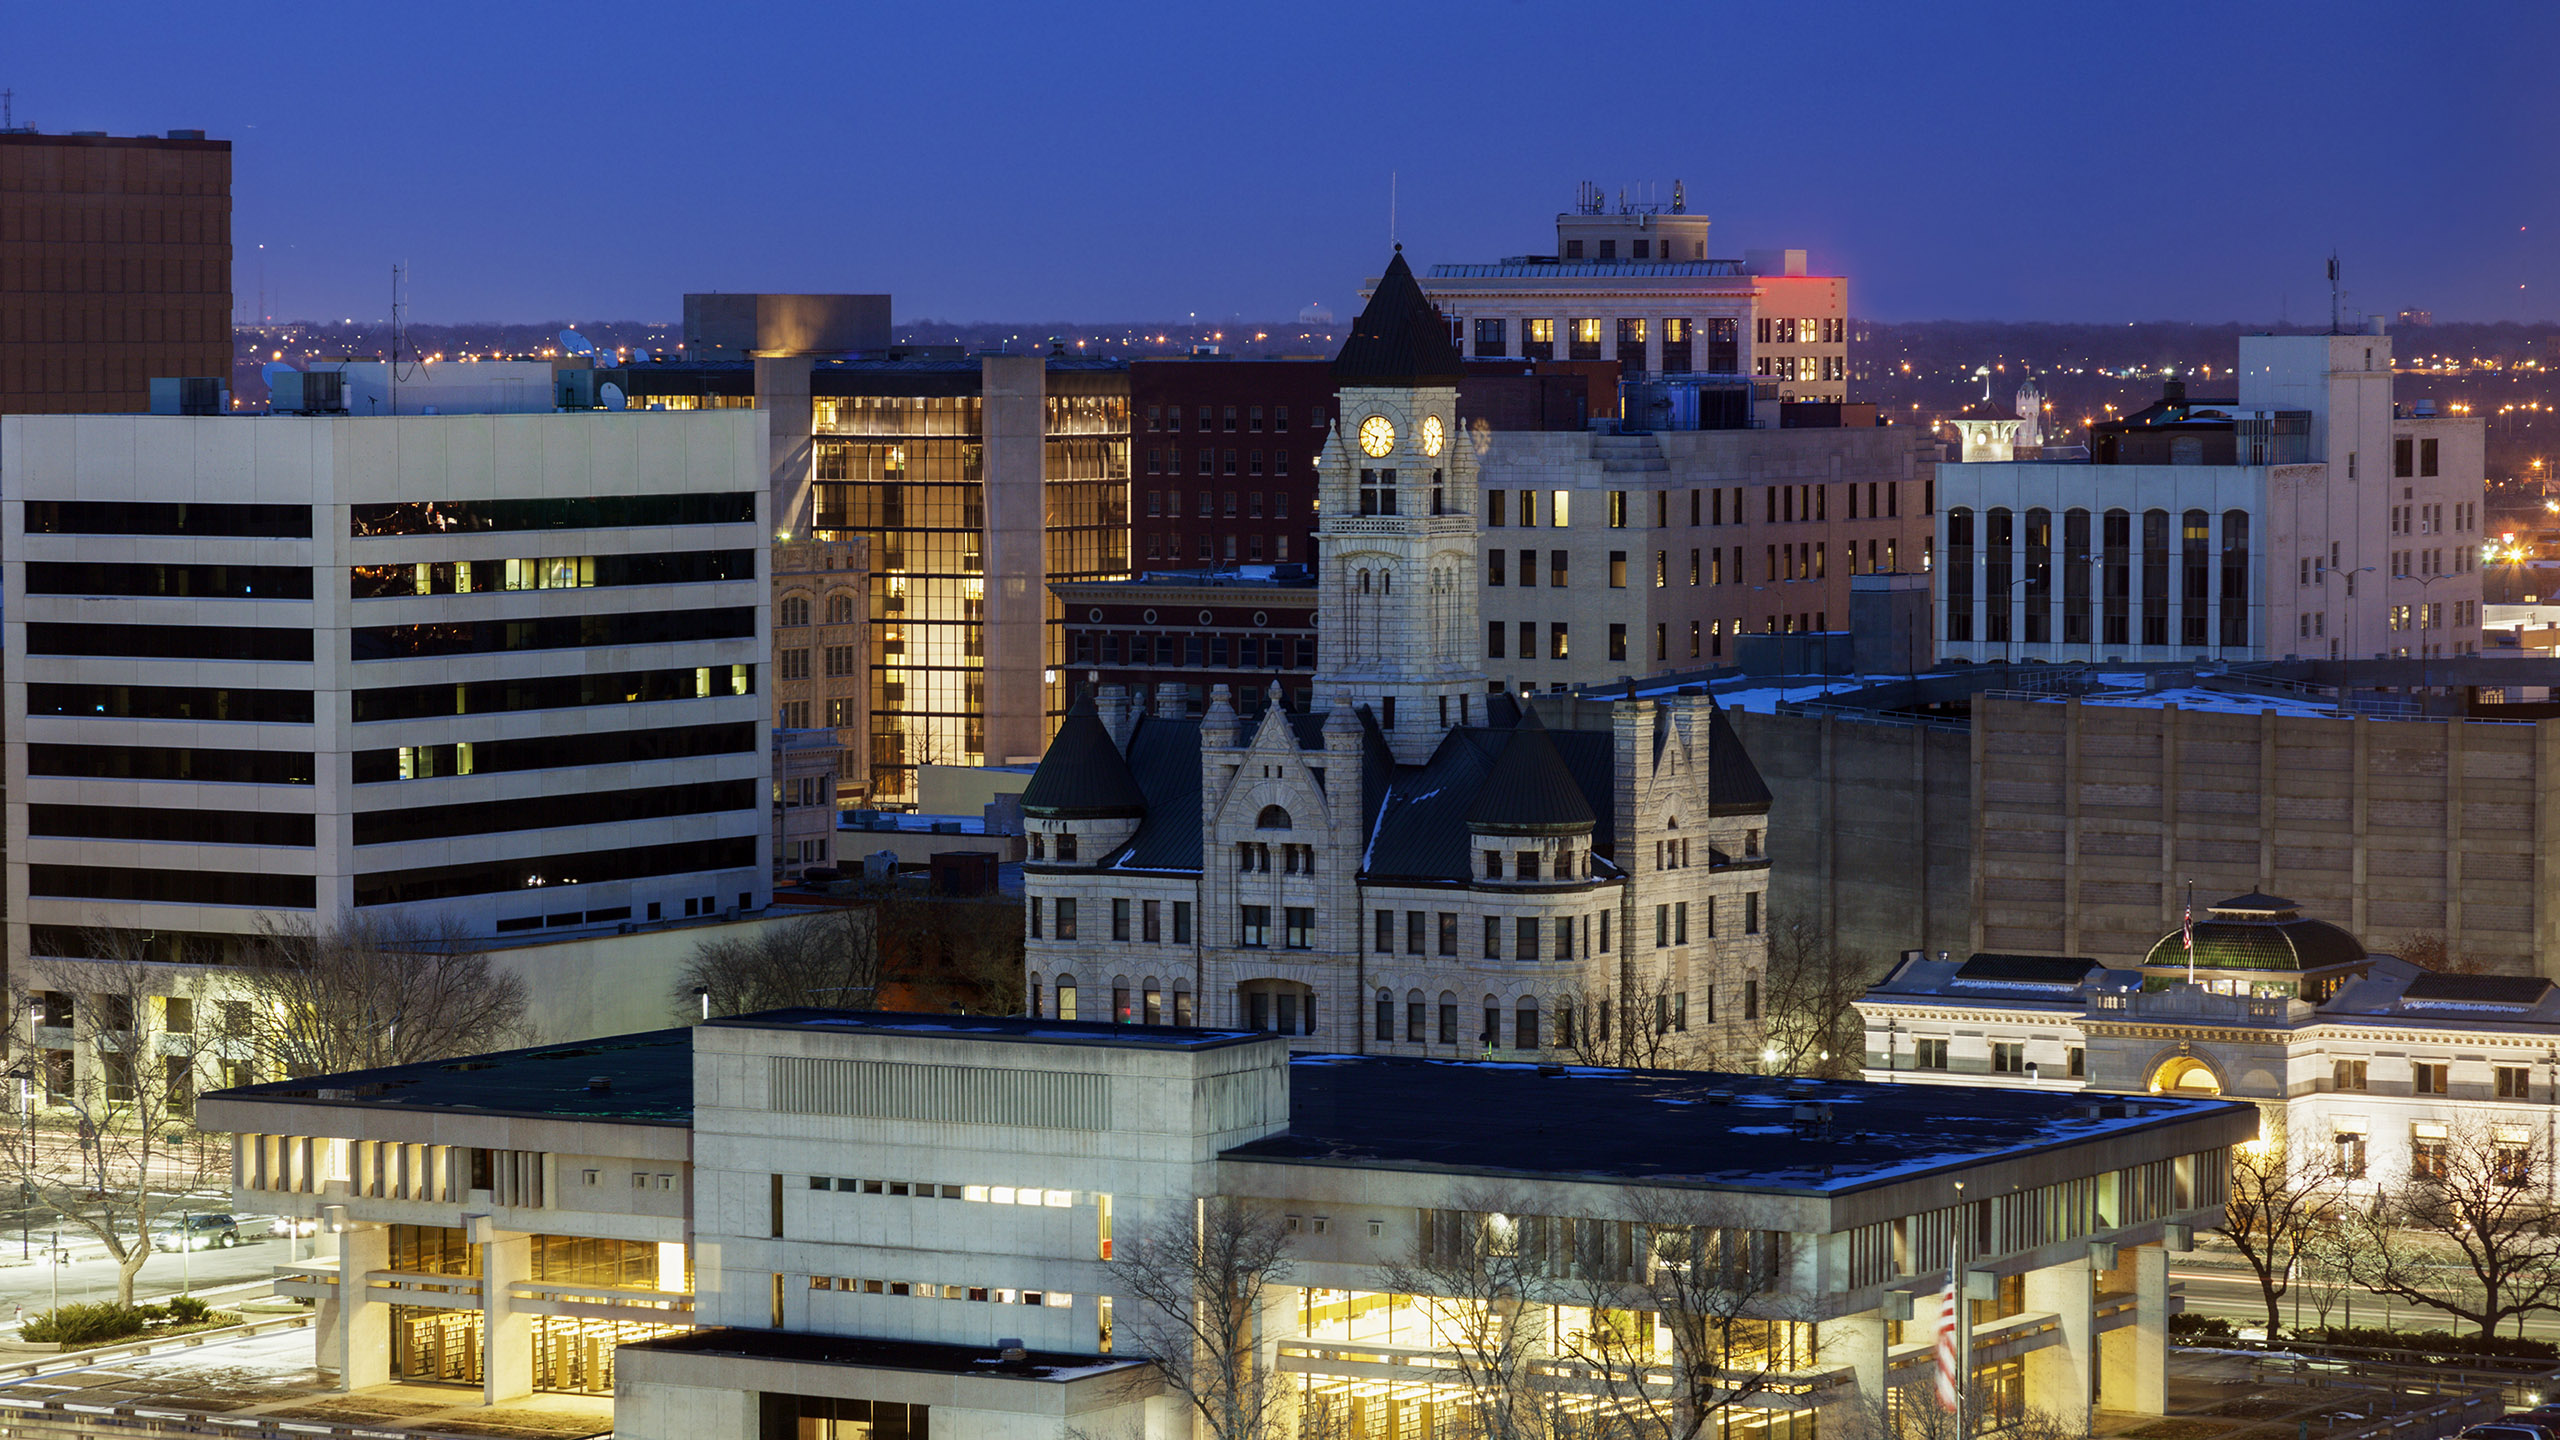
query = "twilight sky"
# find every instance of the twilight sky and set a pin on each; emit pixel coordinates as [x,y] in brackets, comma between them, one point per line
[2070,160]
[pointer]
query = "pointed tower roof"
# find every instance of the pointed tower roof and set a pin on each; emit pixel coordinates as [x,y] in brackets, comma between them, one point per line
[1529,790]
[1400,339]
[1083,776]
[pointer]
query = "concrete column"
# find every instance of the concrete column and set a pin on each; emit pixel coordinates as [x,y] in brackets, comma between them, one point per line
[506,1335]
[363,1355]
[2058,1376]
[2134,1359]
[782,391]
[1015,428]
[1860,1340]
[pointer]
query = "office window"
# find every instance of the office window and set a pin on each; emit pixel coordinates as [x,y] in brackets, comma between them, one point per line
[1416,931]
[1558,643]
[1253,925]
[1559,565]
[2515,1082]
[1301,927]
[1120,920]
[1525,938]
[1493,639]
[2427,1078]
[1617,642]
[1386,932]
[1066,926]
[1181,923]
[1929,1054]
[2008,1057]
[1492,936]
[1490,339]
[1494,566]
[1448,933]
[1617,570]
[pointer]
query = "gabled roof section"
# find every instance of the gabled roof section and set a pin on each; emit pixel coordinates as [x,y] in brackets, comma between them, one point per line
[1529,790]
[1083,776]
[1734,785]
[1400,339]
[2521,992]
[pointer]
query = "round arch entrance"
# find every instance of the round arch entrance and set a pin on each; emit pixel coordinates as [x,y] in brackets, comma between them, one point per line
[2185,1075]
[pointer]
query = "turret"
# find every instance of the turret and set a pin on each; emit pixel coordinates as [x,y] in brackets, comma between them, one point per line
[1083,802]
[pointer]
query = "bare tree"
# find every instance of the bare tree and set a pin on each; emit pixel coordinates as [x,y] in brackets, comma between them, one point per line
[2472,1201]
[831,958]
[940,953]
[1197,1281]
[1910,1411]
[2281,1197]
[375,991]
[126,1159]
[1641,1024]
[1697,1295]
[1479,1273]
[1808,998]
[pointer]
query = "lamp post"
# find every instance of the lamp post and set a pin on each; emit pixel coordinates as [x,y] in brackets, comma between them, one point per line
[2423,582]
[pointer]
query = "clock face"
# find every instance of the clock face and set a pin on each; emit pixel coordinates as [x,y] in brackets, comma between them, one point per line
[1432,435]
[1377,436]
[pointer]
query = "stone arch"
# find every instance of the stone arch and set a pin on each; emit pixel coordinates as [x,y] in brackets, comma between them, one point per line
[1273,817]
[2179,1071]
[1276,1006]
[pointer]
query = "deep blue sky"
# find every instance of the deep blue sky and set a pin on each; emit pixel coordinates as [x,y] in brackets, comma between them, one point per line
[1097,161]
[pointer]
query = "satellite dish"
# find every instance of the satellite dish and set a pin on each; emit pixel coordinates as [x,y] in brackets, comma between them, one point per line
[573,343]
[640,357]
[610,396]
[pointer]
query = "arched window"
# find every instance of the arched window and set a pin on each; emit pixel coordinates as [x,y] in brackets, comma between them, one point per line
[1035,997]
[1448,1018]
[1150,1001]
[2155,577]
[1120,1012]
[840,608]
[1364,582]
[795,610]
[1491,1038]
[1524,1023]
[2235,577]
[1181,1004]
[1386,1015]
[1999,598]
[1271,818]
[1066,997]
[1415,1018]
[2115,561]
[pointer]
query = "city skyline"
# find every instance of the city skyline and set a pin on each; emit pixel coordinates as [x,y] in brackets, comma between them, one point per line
[2198,180]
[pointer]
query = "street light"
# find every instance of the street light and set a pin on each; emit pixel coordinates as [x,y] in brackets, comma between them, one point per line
[2423,581]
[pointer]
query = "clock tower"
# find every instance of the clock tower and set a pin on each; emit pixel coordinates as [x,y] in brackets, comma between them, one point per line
[1397,543]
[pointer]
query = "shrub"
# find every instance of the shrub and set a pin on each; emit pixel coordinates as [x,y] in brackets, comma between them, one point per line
[2434,1342]
[83,1324]
[2184,1326]
[187,1309]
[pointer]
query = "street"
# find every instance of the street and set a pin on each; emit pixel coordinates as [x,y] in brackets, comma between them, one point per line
[2227,1287]
[91,1275]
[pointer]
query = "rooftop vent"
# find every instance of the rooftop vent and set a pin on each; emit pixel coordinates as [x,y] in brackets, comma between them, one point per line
[189,395]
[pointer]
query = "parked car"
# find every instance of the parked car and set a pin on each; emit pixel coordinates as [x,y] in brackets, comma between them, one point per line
[197,1232]
[294,1227]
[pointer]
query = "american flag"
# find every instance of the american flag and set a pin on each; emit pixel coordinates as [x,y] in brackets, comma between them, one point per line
[2188,928]
[1947,1398]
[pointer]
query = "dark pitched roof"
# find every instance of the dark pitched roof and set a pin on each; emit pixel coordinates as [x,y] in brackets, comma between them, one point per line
[648,1081]
[1164,755]
[1734,785]
[1400,339]
[2044,969]
[1529,789]
[2256,902]
[1083,775]
[2522,991]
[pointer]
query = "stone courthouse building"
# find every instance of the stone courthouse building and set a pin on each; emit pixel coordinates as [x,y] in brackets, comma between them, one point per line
[1428,865]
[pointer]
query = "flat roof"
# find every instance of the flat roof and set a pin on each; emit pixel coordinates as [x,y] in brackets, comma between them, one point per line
[1676,1127]
[648,1080]
[1015,1028]
[803,1347]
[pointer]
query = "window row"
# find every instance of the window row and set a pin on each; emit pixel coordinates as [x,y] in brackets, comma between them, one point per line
[1802,330]
[1801,367]
[596,512]
[928,1290]
[1532,1028]
[1248,549]
[551,752]
[158,517]
[169,886]
[204,582]
[1679,354]
[159,824]
[493,817]
[1207,461]
[172,642]
[917,1189]
[1145,1003]
[548,692]
[1169,418]
[1156,921]
[2020,560]
[554,572]
[442,882]
[171,702]
[1719,505]
[1671,921]
[550,632]
[794,610]
[1168,504]
[1252,652]
[170,762]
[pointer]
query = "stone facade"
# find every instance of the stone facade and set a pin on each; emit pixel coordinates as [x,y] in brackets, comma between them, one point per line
[821,650]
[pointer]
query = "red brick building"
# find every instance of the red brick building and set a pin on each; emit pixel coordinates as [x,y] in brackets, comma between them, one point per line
[115,267]
[1223,461]
[1196,630]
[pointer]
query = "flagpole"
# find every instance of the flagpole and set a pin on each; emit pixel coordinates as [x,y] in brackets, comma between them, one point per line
[1964,1311]
[2189,927]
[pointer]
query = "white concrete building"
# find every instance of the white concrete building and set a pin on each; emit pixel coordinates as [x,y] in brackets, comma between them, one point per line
[498,670]
[2370,1055]
[867,1212]
[2307,518]
[1637,285]
[1430,865]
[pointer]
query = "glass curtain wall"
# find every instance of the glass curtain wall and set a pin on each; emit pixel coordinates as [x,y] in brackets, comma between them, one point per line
[1086,499]
[909,473]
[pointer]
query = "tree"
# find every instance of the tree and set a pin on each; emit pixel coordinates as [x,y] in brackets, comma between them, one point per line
[1197,1280]
[375,991]
[2281,1199]
[1910,1411]
[1479,1272]
[830,958]
[125,1162]
[1640,1024]
[1690,1322]
[2473,1200]
[939,953]
[1809,998]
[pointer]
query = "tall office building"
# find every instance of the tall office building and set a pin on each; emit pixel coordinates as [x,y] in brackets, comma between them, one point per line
[115,267]
[976,480]
[497,671]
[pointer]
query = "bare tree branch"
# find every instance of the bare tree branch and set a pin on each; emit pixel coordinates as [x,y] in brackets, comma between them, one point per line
[2473,1206]
[831,958]
[377,991]
[2281,1198]
[1197,1280]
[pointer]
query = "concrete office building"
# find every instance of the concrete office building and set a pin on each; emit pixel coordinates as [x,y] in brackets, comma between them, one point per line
[115,267]
[976,481]
[2367,1057]
[1423,867]
[2306,518]
[493,670]
[1636,285]
[859,1210]
[1638,554]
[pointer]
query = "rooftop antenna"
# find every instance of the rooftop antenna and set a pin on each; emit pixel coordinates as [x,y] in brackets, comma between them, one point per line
[8,110]
[1391,207]
[395,338]
[2333,292]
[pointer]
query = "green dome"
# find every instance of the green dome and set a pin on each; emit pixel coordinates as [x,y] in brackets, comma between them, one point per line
[2258,932]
